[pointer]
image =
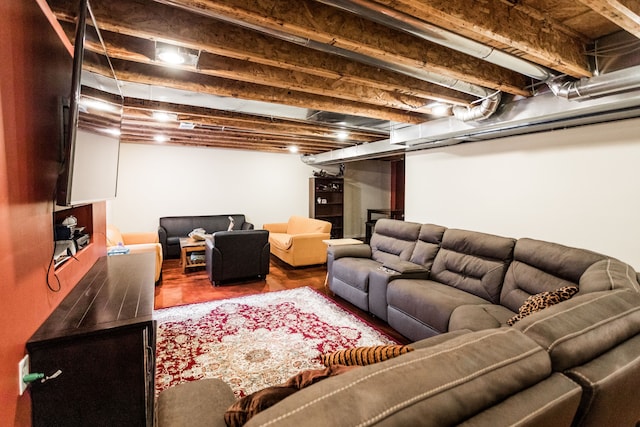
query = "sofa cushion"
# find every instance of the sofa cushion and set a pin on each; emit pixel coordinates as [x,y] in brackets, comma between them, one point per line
[540,266]
[578,330]
[427,246]
[415,389]
[474,262]
[194,404]
[362,356]
[429,302]
[477,317]
[393,240]
[354,271]
[281,240]
[303,225]
[541,301]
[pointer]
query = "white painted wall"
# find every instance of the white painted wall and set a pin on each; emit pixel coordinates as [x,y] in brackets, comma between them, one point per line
[367,186]
[156,181]
[579,187]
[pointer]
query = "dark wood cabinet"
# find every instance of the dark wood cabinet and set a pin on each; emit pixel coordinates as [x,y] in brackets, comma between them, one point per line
[326,202]
[102,339]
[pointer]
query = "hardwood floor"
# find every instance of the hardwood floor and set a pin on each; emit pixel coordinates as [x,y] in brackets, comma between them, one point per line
[178,288]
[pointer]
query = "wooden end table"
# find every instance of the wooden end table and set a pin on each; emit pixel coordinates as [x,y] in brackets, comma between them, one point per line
[187,246]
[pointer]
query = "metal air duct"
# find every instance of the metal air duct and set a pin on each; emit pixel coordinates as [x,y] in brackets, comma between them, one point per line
[597,86]
[401,21]
[487,107]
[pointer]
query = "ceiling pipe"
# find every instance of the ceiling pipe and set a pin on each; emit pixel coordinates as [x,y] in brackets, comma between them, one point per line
[402,21]
[544,112]
[487,107]
[597,86]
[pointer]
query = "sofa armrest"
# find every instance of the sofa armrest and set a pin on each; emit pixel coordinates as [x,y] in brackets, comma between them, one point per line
[352,251]
[405,267]
[138,238]
[195,403]
[308,237]
[276,227]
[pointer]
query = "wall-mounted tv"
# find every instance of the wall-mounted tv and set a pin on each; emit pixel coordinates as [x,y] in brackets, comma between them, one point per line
[91,140]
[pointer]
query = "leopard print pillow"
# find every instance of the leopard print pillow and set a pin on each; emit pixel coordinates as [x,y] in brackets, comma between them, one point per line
[364,355]
[541,301]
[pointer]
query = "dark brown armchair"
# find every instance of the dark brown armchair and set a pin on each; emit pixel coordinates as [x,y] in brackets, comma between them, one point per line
[237,255]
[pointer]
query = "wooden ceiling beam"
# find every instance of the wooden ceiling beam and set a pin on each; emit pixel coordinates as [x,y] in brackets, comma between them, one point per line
[199,83]
[506,23]
[130,126]
[230,139]
[624,13]
[244,71]
[217,143]
[135,19]
[239,119]
[307,19]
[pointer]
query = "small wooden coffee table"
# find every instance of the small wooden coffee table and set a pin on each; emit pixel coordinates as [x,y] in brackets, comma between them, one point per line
[188,246]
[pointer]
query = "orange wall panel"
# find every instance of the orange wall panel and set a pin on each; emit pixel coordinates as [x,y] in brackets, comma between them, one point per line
[36,73]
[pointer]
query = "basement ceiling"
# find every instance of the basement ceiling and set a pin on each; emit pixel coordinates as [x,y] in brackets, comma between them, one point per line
[336,74]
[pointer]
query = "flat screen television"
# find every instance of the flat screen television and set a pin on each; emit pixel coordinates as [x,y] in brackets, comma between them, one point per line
[91,137]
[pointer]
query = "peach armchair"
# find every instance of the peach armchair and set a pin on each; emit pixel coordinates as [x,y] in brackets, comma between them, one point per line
[137,243]
[298,242]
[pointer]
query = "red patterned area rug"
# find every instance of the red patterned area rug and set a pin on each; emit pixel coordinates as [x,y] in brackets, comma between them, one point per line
[255,341]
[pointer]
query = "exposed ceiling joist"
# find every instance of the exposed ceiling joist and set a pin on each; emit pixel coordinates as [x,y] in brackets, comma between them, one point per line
[624,13]
[270,74]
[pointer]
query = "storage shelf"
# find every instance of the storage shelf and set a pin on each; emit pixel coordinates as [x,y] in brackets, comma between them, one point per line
[329,190]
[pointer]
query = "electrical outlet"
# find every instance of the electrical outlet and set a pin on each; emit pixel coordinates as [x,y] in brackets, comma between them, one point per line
[23,369]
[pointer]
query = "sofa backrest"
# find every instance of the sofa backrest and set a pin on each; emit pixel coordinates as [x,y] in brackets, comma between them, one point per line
[183,225]
[304,225]
[422,388]
[427,245]
[393,240]
[609,274]
[594,339]
[474,262]
[540,266]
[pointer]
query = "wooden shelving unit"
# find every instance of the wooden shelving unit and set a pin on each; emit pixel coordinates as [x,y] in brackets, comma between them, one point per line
[326,202]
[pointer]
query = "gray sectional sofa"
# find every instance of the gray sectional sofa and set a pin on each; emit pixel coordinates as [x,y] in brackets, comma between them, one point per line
[575,363]
[425,279]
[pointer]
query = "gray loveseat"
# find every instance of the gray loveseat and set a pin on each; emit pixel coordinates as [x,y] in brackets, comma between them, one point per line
[172,228]
[575,363]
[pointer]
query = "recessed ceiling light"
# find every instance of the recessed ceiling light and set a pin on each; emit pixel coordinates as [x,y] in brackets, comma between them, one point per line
[293,149]
[186,125]
[170,55]
[342,135]
[161,138]
[176,55]
[163,116]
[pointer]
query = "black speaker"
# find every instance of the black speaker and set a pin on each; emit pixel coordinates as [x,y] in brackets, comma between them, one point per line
[62,232]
